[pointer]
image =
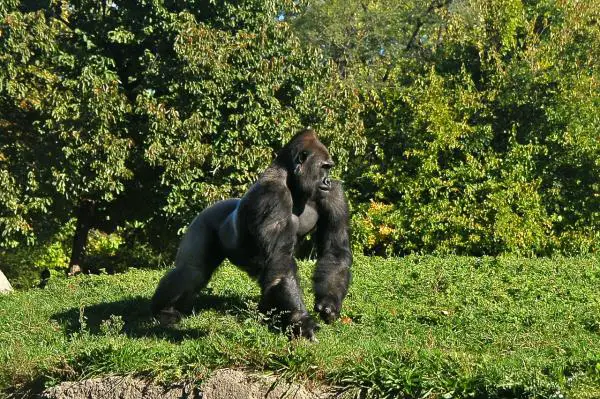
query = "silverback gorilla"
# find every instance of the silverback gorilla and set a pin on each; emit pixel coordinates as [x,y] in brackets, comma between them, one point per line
[258,233]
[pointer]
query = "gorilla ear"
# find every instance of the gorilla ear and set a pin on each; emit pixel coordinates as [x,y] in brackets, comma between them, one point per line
[300,159]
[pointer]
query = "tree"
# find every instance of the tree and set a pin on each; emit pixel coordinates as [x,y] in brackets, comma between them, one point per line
[486,140]
[64,143]
[365,38]
[121,112]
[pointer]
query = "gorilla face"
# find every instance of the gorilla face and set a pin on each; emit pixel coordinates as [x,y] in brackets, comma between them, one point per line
[312,169]
[325,181]
[310,164]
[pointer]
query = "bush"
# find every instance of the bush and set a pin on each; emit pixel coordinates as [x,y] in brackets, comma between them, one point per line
[125,248]
[23,265]
[486,140]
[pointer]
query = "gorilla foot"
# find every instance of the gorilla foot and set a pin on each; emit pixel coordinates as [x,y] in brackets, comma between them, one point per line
[305,327]
[294,325]
[327,310]
[169,316]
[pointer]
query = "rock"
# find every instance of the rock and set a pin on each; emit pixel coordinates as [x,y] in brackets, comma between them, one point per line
[235,384]
[119,388]
[223,384]
[5,286]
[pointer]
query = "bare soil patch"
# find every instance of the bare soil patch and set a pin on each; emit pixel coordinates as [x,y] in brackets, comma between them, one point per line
[223,384]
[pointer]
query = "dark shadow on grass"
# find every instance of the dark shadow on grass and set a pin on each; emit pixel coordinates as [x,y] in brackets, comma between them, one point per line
[138,320]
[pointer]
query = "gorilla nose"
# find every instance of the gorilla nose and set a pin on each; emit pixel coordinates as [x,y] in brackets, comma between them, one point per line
[325,184]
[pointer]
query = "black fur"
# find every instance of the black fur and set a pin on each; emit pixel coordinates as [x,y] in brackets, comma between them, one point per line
[332,275]
[258,233]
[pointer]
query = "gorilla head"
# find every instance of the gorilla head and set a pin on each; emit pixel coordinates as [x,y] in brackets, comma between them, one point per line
[308,163]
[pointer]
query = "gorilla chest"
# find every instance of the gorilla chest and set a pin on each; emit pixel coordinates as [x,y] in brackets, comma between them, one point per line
[306,221]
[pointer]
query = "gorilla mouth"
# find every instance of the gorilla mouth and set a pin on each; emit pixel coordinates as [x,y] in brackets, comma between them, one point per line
[325,184]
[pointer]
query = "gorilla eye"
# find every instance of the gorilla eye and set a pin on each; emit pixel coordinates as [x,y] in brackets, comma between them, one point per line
[303,156]
[327,165]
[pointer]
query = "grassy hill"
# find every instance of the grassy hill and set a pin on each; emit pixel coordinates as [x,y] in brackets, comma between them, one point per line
[411,327]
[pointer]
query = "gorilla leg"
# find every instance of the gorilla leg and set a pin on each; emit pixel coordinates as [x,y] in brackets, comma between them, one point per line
[282,296]
[198,256]
[174,296]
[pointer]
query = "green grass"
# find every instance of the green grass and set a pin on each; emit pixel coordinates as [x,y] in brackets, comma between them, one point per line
[413,327]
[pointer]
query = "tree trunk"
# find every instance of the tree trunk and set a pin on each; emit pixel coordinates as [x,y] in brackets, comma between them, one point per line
[85,214]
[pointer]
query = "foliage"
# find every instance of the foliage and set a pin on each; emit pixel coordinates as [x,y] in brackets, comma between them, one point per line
[462,126]
[365,38]
[150,112]
[124,248]
[231,97]
[414,327]
[487,139]
[104,244]
[374,230]
[62,116]
[23,265]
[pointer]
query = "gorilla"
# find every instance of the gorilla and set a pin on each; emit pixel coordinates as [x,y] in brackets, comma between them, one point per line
[258,233]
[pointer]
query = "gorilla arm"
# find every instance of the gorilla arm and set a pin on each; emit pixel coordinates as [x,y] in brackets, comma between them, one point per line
[266,211]
[332,274]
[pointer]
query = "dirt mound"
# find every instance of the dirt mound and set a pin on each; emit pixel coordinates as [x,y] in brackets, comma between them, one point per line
[119,388]
[237,384]
[223,384]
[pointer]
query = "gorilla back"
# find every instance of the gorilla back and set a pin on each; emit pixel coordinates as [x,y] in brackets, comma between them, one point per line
[258,233]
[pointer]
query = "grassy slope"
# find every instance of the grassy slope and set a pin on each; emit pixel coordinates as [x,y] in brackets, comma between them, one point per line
[418,326]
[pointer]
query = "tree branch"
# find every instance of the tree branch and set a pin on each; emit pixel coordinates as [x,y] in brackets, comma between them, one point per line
[435,5]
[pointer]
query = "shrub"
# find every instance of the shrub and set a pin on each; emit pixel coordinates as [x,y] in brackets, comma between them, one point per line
[485,141]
